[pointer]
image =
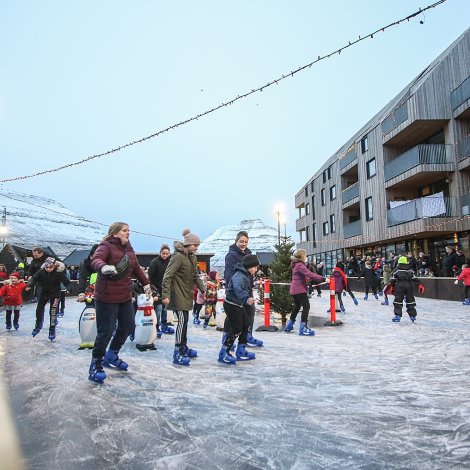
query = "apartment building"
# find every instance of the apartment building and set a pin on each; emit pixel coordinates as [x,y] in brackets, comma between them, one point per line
[402,182]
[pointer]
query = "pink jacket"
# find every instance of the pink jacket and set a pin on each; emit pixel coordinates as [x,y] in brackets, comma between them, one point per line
[301,276]
[465,276]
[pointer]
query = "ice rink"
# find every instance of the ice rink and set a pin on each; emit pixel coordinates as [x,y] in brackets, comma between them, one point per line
[370,394]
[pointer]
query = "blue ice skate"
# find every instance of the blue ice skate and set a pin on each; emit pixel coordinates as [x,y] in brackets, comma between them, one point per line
[305,331]
[167,330]
[289,326]
[225,357]
[396,318]
[16,325]
[243,355]
[52,333]
[385,302]
[188,352]
[196,320]
[341,307]
[466,302]
[253,341]
[61,313]
[366,297]
[376,297]
[413,319]
[112,360]
[37,329]
[96,372]
[179,358]
[355,301]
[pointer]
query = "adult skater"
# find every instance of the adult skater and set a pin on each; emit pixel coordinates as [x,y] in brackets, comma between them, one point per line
[115,262]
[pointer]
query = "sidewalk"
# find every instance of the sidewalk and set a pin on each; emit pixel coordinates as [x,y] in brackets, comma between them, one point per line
[368,394]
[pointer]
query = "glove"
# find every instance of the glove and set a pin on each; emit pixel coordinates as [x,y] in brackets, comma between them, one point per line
[456,282]
[108,269]
[421,289]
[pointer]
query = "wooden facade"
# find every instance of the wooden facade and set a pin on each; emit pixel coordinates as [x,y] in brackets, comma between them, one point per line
[405,176]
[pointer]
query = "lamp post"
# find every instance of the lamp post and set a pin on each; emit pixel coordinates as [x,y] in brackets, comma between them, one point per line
[3,226]
[278,213]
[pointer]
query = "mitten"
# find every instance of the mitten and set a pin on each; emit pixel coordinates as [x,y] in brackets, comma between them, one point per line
[421,289]
[108,270]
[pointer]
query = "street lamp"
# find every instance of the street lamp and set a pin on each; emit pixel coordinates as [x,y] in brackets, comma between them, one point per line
[279,211]
[284,222]
[3,232]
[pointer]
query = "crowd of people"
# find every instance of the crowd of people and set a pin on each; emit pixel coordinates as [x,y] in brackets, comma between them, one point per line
[174,282]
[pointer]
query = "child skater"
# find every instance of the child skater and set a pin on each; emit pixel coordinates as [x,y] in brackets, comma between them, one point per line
[237,296]
[402,279]
[341,283]
[370,279]
[13,300]
[387,274]
[212,286]
[49,278]
[199,300]
[465,277]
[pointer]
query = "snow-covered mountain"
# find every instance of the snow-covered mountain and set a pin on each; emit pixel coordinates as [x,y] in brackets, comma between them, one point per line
[262,238]
[34,220]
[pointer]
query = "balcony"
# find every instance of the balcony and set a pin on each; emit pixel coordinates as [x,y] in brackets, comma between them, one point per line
[301,223]
[348,158]
[423,208]
[395,118]
[463,152]
[423,163]
[461,94]
[350,193]
[353,229]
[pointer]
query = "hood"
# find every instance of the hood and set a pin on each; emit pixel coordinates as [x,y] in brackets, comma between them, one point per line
[180,247]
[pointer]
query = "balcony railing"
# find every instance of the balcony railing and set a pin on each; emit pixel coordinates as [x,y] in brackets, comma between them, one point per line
[460,94]
[395,118]
[350,193]
[348,158]
[353,229]
[423,208]
[464,148]
[428,154]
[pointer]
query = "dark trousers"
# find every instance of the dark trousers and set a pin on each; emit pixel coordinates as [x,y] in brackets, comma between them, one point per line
[62,299]
[300,302]
[8,316]
[404,292]
[373,287]
[237,322]
[466,292]
[106,316]
[181,334]
[250,311]
[53,306]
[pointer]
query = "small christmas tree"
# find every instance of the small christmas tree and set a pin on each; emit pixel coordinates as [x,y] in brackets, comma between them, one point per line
[281,300]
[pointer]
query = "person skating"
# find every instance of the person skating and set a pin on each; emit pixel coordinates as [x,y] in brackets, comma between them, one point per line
[177,291]
[465,277]
[402,281]
[341,284]
[12,299]
[210,298]
[238,296]
[370,279]
[387,274]
[301,276]
[49,279]
[115,262]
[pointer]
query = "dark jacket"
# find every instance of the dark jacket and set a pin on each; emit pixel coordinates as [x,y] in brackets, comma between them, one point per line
[403,274]
[36,264]
[115,291]
[49,282]
[232,258]
[179,278]
[157,270]
[449,260]
[239,287]
[369,276]
[86,271]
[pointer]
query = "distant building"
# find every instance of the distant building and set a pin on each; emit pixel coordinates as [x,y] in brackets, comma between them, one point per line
[402,182]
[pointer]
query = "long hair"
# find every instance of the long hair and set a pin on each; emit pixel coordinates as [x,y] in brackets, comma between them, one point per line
[114,229]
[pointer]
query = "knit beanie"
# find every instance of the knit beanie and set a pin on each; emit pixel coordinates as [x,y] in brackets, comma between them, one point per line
[250,261]
[213,275]
[16,274]
[402,260]
[190,238]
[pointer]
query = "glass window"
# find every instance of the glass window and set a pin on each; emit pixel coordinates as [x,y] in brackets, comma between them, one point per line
[307,208]
[369,209]
[365,144]
[323,197]
[371,168]
[330,172]
[333,193]
[325,228]
[311,186]
[324,176]
[306,190]
[313,207]
[307,234]
[332,223]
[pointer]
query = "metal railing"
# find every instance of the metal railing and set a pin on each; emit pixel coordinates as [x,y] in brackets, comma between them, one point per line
[350,193]
[348,158]
[353,229]
[463,148]
[424,154]
[395,118]
[460,94]
[424,208]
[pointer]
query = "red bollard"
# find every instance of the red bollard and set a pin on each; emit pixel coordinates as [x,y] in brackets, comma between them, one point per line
[267,308]
[332,300]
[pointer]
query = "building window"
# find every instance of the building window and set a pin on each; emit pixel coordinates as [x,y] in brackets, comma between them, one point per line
[371,168]
[306,190]
[365,144]
[330,172]
[325,228]
[307,235]
[333,193]
[324,176]
[307,208]
[369,209]
[332,223]
[314,234]
[313,207]
[323,197]
[311,187]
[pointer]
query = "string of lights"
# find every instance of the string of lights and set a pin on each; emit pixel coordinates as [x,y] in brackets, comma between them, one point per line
[225,104]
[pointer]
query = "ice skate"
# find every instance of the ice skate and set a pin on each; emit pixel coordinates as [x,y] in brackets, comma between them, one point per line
[376,297]
[253,341]
[385,302]
[355,301]
[305,331]
[188,352]
[289,327]
[396,318]
[61,313]
[96,372]
[167,330]
[112,360]
[466,302]
[179,358]
[36,329]
[342,308]
[366,297]
[413,319]
[8,326]
[52,333]
[243,355]
[225,357]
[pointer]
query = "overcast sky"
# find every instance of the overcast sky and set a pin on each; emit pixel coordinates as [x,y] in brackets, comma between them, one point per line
[80,78]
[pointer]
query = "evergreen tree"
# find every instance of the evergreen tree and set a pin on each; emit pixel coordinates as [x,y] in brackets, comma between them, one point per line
[281,300]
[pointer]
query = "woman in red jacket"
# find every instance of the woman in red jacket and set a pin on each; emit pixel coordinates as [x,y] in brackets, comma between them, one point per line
[13,299]
[115,262]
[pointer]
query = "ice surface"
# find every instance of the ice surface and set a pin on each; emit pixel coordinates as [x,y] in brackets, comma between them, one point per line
[370,394]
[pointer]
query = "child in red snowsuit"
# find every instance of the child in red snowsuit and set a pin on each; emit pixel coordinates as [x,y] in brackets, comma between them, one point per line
[13,299]
[465,277]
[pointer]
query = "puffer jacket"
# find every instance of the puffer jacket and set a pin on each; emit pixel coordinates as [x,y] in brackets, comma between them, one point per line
[115,291]
[465,276]
[301,276]
[232,258]
[12,293]
[239,287]
[49,282]
[179,278]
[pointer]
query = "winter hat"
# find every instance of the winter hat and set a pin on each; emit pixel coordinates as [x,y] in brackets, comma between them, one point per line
[402,260]
[16,274]
[213,274]
[250,261]
[21,265]
[49,262]
[190,238]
